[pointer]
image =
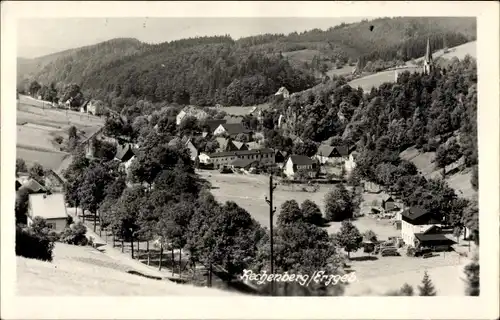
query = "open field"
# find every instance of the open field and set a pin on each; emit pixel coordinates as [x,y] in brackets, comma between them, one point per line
[448,280]
[84,271]
[375,274]
[249,192]
[469,48]
[38,125]
[375,80]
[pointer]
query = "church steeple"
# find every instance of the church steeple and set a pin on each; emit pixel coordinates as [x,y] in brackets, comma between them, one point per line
[428,62]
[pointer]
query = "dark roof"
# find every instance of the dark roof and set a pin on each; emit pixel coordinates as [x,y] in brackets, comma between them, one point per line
[213,124]
[419,216]
[240,153]
[388,198]
[325,150]
[414,213]
[301,160]
[434,237]
[342,150]
[243,163]
[124,152]
[332,151]
[234,128]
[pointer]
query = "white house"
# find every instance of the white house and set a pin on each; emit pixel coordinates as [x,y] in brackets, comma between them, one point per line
[180,116]
[232,130]
[295,163]
[332,154]
[350,163]
[50,207]
[283,92]
[419,227]
[204,158]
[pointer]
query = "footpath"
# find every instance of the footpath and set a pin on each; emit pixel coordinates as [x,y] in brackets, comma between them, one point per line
[124,259]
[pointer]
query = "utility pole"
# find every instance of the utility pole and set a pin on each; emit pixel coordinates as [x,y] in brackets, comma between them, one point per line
[272,210]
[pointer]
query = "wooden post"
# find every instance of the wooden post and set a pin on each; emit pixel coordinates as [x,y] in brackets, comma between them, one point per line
[161,255]
[180,263]
[147,249]
[173,259]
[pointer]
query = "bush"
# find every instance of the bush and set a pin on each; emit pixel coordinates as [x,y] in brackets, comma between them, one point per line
[58,139]
[410,252]
[75,235]
[30,244]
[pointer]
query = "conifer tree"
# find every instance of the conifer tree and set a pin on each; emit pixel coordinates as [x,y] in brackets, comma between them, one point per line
[472,277]
[427,288]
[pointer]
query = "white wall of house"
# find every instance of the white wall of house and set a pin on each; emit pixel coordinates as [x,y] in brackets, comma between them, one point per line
[179,117]
[350,164]
[204,158]
[408,231]
[330,160]
[55,224]
[288,168]
[220,130]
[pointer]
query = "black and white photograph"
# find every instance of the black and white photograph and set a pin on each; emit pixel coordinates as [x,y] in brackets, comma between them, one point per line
[242,157]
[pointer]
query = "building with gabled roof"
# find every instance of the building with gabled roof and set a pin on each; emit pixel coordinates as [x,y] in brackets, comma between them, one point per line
[283,92]
[124,152]
[232,130]
[51,207]
[417,220]
[295,163]
[220,159]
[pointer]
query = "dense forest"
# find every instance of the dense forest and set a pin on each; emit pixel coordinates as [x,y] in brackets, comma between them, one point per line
[209,70]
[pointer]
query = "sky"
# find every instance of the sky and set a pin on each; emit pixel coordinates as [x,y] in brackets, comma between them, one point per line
[41,36]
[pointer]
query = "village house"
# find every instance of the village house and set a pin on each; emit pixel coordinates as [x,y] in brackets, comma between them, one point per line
[209,126]
[279,157]
[283,92]
[191,111]
[334,155]
[193,150]
[32,185]
[204,158]
[124,152]
[228,144]
[389,204]
[244,164]
[420,228]
[296,163]
[350,163]
[220,159]
[50,207]
[233,130]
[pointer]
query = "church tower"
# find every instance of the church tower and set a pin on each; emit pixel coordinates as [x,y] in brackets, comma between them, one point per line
[428,62]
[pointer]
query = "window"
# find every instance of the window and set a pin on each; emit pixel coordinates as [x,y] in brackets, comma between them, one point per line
[51,225]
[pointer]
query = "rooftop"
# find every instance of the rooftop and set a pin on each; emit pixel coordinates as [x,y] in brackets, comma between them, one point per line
[48,206]
[301,160]
[240,153]
[234,128]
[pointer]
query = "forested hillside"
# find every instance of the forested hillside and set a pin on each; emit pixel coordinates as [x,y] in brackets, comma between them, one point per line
[209,70]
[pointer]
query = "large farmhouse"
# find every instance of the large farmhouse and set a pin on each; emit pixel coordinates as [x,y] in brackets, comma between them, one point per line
[420,229]
[221,159]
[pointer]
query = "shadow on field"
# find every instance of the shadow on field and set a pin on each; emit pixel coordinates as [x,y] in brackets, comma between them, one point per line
[364,258]
[143,275]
